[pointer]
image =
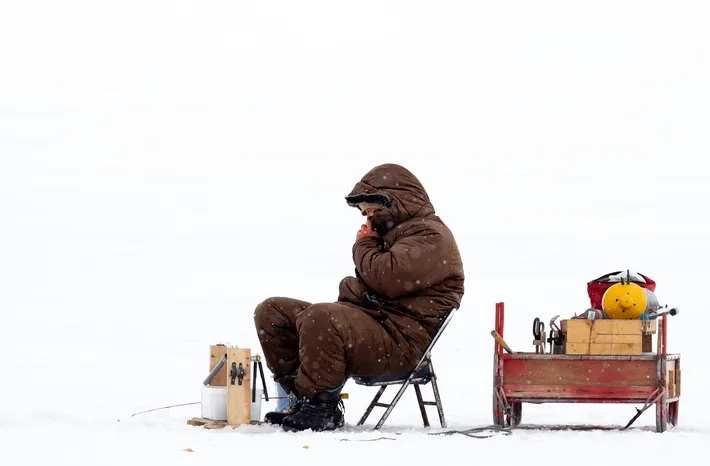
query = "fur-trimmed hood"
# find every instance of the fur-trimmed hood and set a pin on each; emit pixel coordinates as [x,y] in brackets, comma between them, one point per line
[397,189]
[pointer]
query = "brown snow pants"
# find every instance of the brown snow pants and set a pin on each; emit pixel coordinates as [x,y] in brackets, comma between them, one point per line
[322,344]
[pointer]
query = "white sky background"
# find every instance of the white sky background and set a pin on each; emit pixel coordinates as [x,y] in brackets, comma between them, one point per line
[165,165]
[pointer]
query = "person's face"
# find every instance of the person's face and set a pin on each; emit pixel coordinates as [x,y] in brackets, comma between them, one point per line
[370,211]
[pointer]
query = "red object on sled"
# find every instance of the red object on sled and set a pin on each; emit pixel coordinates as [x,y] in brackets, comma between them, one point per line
[597,287]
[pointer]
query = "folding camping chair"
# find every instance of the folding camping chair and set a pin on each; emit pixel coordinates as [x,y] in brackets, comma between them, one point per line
[422,374]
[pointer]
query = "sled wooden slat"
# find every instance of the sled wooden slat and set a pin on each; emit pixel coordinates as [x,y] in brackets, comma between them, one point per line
[555,370]
[579,393]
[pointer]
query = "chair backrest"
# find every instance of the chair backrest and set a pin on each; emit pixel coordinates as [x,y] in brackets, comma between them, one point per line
[442,326]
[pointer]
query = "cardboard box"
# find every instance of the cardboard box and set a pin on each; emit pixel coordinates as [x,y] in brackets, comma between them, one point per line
[603,337]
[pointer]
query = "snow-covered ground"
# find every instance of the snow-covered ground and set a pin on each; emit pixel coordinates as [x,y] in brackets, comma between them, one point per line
[165,166]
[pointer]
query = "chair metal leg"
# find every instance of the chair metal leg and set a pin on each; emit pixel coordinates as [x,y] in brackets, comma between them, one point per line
[437,398]
[373,403]
[392,404]
[425,359]
[422,408]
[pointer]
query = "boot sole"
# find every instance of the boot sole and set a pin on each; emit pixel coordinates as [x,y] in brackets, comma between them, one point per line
[293,429]
[340,425]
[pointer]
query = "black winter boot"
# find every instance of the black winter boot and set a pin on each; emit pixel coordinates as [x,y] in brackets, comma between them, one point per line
[321,412]
[277,417]
[287,383]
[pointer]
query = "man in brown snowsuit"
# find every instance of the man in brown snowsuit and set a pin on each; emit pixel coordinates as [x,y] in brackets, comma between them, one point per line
[408,274]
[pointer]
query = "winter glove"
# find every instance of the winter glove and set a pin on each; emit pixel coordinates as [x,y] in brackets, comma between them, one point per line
[382,221]
[353,290]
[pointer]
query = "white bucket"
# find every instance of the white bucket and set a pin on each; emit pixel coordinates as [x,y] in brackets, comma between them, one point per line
[214,403]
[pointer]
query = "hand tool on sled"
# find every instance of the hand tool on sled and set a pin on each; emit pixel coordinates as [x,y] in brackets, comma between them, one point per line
[539,335]
[555,338]
[664,310]
[501,342]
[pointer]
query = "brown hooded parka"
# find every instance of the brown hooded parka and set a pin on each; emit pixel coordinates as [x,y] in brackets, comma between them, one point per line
[385,316]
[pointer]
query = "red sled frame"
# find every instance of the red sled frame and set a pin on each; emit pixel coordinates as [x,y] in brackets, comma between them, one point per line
[559,378]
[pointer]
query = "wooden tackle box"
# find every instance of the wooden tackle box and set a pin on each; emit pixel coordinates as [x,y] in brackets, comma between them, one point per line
[607,336]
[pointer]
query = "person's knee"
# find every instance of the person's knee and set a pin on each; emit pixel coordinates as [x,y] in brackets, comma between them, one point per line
[265,312]
[318,317]
[278,311]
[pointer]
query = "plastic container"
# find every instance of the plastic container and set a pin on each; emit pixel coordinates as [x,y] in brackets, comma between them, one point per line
[214,403]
